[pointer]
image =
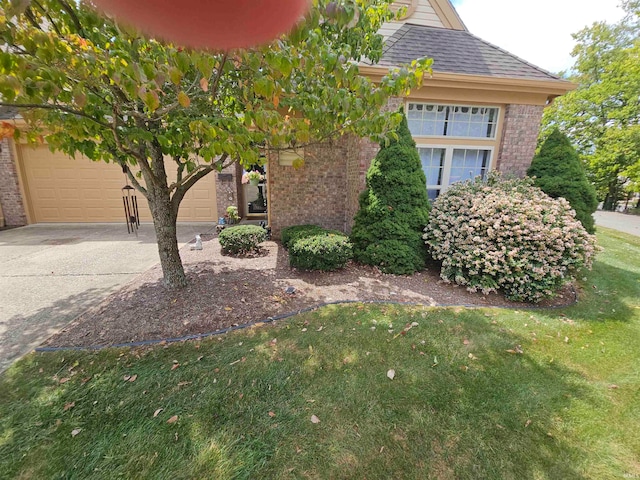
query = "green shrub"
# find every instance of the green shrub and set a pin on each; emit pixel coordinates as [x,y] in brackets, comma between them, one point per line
[320,252]
[394,209]
[507,235]
[393,255]
[559,172]
[242,239]
[289,235]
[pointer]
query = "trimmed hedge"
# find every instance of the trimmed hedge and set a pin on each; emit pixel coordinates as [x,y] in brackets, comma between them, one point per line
[289,235]
[325,251]
[242,239]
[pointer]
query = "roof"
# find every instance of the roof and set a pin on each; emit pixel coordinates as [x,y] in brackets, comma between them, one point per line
[7,113]
[456,51]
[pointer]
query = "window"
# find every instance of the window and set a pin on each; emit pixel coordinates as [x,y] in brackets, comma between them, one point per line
[452,120]
[446,165]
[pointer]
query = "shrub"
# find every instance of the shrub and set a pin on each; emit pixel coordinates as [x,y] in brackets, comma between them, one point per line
[559,172]
[394,209]
[289,235]
[320,252]
[393,255]
[242,239]
[508,235]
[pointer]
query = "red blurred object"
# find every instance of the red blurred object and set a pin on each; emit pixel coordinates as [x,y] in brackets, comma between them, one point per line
[213,24]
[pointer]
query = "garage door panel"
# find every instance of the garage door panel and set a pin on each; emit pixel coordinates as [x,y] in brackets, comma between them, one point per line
[61,189]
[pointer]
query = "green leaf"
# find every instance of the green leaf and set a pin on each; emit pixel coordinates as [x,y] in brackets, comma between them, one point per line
[175,75]
[184,100]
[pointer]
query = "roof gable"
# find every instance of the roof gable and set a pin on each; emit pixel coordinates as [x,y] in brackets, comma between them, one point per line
[430,13]
[456,51]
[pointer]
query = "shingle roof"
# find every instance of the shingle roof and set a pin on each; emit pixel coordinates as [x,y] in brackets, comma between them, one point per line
[456,51]
[7,113]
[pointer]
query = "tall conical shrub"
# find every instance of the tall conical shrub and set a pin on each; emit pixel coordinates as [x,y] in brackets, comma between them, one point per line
[394,209]
[559,172]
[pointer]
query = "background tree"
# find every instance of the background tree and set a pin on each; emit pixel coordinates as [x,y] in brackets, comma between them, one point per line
[87,85]
[602,114]
[394,209]
[559,172]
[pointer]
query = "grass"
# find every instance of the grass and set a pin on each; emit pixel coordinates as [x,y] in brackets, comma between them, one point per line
[461,405]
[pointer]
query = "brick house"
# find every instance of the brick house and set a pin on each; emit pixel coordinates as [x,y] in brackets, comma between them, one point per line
[479,111]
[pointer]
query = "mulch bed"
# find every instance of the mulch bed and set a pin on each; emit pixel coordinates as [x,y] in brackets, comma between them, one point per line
[224,291]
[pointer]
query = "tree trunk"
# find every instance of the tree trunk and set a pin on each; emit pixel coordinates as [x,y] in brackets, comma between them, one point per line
[164,222]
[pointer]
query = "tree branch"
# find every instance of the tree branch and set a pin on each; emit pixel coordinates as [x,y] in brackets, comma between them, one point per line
[214,88]
[32,19]
[52,106]
[131,176]
[46,13]
[184,188]
[74,18]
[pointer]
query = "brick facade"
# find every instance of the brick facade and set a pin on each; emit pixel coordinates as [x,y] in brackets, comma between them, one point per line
[326,190]
[13,206]
[314,193]
[227,188]
[519,137]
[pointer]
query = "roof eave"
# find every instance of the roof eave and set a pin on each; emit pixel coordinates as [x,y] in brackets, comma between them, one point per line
[551,87]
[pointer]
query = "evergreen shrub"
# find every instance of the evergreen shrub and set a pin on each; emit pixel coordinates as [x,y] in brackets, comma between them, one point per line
[242,239]
[326,251]
[559,172]
[394,209]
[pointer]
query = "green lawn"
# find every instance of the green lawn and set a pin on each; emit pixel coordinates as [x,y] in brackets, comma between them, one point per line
[464,402]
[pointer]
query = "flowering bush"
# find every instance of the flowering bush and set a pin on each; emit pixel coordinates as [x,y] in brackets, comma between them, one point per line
[508,235]
[253,175]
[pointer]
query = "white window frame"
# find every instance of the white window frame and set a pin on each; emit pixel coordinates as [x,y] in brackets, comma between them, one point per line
[448,160]
[435,104]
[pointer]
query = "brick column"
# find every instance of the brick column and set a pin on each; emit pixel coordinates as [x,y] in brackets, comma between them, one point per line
[519,137]
[10,198]
[226,189]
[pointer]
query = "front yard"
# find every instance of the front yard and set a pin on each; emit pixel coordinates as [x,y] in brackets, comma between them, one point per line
[475,393]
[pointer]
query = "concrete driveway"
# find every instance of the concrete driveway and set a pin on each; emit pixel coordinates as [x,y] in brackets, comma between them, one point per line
[50,274]
[618,221]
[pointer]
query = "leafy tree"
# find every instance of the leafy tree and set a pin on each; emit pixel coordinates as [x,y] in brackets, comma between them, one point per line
[559,172]
[601,116]
[86,84]
[394,209]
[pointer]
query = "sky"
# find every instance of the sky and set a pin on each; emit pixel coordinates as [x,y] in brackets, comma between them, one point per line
[539,31]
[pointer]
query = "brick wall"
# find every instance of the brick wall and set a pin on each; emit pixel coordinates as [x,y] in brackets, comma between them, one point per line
[10,198]
[226,188]
[315,193]
[519,137]
[325,191]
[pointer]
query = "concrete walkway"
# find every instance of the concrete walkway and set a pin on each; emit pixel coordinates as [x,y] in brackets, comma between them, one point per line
[50,274]
[618,221]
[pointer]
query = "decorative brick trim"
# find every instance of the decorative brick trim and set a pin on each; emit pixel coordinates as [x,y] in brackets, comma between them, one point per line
[519,138]
[11,199]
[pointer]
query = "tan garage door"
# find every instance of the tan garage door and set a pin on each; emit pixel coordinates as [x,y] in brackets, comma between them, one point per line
[61,189]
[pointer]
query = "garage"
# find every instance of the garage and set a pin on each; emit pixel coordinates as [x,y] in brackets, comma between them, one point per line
[61,189]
